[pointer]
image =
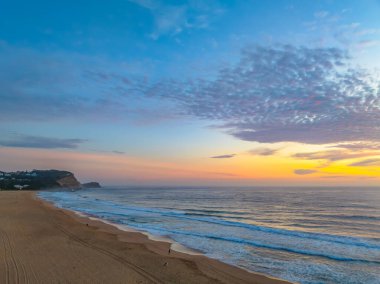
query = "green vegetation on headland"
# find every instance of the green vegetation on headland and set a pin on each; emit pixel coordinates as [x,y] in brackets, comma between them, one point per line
[40,179]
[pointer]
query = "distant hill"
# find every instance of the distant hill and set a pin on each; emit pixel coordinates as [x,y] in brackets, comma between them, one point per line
[38,179]
[91,185]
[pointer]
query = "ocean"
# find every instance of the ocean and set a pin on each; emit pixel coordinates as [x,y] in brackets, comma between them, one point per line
[304,235]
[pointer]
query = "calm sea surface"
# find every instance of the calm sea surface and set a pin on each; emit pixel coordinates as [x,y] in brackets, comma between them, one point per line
[306,235]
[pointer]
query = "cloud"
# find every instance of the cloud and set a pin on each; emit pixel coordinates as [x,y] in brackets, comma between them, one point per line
[321,14]
[335,176]
[358,146]
[355,36]
[263,151]
[348,177]
[57,86]
[304,172]
[333,28]
[149,4]
[272,94]
[285,93]
[26,141]
[366,32]
[367,43]
[227,156]
[36,86]
[118,152]
[171,20]
[334,155]
[367,163]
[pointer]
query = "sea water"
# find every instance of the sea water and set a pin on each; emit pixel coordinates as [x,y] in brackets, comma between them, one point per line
[305,235]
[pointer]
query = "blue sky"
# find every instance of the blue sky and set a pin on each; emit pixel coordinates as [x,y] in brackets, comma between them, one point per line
[181,81]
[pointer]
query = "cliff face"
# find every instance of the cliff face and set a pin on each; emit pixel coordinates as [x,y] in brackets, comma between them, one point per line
[69,182]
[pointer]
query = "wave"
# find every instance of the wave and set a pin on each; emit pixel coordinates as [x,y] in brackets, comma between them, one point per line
[343,240]
[259,244]
[207,211]
[227,232]
[349,217]
[351,241]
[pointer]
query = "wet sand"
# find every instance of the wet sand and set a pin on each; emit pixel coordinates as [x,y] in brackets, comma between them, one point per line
[40,243]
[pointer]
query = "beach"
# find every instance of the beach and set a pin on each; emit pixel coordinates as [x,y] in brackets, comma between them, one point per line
[300,241]
[43,244]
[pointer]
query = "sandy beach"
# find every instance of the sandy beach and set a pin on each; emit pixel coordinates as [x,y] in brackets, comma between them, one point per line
[43,244]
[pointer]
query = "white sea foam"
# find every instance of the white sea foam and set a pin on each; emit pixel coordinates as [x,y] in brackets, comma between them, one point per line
[328,241]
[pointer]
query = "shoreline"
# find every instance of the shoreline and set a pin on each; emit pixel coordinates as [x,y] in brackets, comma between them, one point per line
[92,220]
[121,230]
[47,244]
[174,246]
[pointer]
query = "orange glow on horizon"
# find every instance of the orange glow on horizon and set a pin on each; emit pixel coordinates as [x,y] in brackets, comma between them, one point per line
[248,169]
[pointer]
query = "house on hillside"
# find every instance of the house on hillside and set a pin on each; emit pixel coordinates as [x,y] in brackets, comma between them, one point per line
[19,187]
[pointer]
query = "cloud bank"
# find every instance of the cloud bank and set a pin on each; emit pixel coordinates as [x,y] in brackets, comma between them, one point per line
[272,94]
[26,141]
[359,146]
[286,93]
[334,155]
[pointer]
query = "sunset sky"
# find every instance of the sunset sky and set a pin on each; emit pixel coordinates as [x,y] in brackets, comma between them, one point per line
[192,92]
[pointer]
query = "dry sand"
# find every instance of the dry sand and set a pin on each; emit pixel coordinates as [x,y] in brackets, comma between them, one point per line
[43,244]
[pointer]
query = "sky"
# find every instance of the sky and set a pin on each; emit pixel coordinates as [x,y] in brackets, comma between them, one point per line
[151,92]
